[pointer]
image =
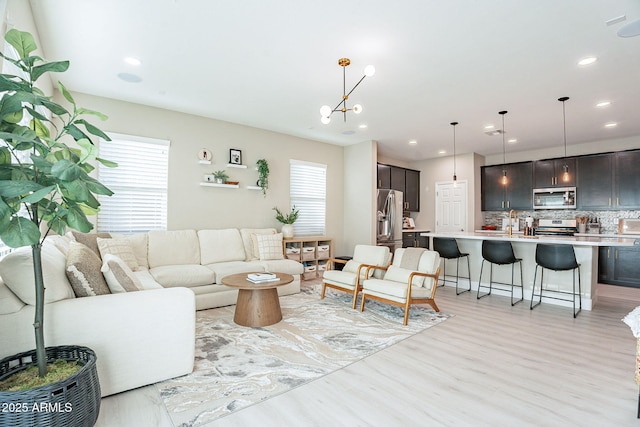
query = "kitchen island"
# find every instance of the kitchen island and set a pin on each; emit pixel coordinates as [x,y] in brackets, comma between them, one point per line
[585,247]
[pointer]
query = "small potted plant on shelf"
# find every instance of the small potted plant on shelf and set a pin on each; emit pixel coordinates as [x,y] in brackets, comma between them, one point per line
[287,220]
[263,175]
[220,176]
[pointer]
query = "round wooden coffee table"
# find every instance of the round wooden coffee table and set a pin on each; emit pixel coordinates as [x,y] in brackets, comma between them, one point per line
[258,303]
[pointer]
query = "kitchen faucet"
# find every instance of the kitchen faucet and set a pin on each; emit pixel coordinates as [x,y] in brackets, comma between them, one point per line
[510,223]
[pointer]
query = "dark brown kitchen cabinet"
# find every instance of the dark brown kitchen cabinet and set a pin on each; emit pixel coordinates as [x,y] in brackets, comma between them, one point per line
[627,179]
[401,179]
[619,266]
[516,194]
[414,240]
[384,176]
[549,173]
[595,182]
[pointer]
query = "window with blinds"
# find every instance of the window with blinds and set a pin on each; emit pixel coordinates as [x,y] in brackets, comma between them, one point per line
[139,184]
[308,192]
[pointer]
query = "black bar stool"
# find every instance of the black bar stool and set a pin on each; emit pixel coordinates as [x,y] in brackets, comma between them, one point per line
[501,253]
[556,258]
[448,249]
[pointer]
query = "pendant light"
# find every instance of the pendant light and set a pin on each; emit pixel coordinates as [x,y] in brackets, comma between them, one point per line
[504,180]
[455,178]
[565,168]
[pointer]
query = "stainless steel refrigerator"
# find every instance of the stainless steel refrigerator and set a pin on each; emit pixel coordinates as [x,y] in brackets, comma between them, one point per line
[389,219]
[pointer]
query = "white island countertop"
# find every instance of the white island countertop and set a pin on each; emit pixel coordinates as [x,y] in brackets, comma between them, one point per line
[578,240]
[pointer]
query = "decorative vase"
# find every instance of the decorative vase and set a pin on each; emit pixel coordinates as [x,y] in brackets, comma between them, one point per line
[287,231]
[74,401]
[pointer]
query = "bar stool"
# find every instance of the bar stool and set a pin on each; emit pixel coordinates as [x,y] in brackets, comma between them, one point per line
[448,249]
[556,258]
[501,253]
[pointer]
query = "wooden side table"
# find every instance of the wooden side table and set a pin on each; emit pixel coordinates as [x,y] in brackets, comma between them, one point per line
[258,303]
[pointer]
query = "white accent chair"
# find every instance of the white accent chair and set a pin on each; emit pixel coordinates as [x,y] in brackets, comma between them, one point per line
[413,281]
[360,267]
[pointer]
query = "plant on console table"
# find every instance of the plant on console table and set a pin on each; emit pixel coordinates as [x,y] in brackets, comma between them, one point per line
[287,220]
[44,183]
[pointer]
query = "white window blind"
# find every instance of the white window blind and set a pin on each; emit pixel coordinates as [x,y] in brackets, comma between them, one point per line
[139,184]
[308,192]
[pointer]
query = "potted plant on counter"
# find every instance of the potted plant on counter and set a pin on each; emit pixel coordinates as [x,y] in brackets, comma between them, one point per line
[45,186]
[287,220]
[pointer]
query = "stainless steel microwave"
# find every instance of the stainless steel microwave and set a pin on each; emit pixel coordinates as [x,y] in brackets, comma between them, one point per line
[554,198]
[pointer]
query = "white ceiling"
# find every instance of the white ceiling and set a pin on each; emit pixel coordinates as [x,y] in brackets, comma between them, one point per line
[272,64]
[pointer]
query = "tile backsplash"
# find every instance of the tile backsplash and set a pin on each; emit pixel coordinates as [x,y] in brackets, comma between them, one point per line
[608,219]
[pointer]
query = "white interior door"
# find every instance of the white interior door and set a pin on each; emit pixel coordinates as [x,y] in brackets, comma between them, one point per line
[451,206]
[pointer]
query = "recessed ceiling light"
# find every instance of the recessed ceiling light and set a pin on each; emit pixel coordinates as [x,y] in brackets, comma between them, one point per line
[611,125]
[132,61]
[363,126]
[512,141]
[489,126]
[413,142]
[603,104]
[128,77]
[442,152]
[588,60]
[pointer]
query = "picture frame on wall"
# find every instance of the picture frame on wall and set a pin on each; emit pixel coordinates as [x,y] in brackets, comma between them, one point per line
[235,156]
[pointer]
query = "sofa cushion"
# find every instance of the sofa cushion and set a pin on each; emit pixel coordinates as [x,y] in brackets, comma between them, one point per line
[282,266]
[220,246]
[9,302]
[146,280]
[183,275]
[16,270]
[90,240]
[251,245]
[176,247]
[222,269]
[269,246]
[83,271]
[120,278]
[120,248]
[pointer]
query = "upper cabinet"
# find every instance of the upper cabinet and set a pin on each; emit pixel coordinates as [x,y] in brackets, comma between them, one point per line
[516,194]
[627,179]
[401,179]
[549,173]
[595,182]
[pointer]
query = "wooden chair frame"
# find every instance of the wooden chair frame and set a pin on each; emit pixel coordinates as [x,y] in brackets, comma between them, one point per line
[410,300]
[358,286]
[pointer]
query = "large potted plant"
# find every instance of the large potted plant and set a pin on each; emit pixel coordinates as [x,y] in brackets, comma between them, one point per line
[45,186]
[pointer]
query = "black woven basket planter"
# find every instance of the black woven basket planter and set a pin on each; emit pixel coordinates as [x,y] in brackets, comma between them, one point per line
[73,402]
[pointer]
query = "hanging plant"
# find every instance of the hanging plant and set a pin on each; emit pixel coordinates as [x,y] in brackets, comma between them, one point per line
[263,175]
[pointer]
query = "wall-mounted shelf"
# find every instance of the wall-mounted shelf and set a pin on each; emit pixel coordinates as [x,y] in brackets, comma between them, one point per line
[232,165]
[204,162]
[213,184]
[253,187]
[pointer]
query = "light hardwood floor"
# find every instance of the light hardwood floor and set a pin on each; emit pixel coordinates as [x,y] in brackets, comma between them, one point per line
[491,364]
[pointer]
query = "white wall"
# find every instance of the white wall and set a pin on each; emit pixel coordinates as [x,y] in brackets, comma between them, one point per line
[359,195]
[193,206]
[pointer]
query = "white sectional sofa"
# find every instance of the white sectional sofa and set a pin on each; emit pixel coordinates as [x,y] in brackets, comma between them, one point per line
[139,337]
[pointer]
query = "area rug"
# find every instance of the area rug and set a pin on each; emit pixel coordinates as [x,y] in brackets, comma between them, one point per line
[236,366]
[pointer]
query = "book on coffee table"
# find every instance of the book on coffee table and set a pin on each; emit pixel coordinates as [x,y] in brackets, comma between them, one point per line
[262,277]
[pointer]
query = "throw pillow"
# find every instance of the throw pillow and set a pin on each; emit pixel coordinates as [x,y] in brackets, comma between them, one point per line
[83,271]
[120,248]
[119,276]
[249,241]
[16,270]
[89,239]
[270,246]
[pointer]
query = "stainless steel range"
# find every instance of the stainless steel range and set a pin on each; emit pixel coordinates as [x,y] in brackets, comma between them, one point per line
[556,227]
